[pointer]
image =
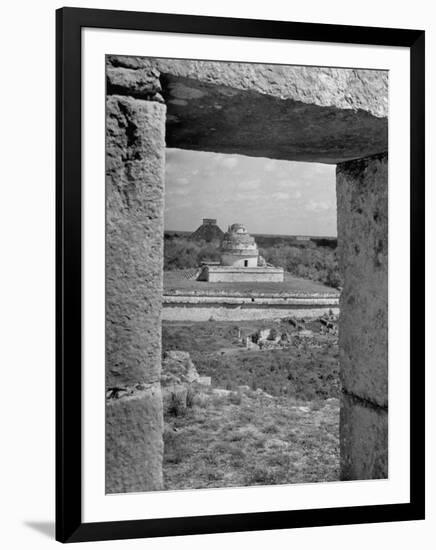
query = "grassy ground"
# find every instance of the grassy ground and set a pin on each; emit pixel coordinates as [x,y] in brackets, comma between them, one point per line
[249,439]
[184,280]
[279,422]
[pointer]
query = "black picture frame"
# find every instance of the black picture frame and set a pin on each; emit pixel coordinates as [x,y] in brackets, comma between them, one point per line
[69,525]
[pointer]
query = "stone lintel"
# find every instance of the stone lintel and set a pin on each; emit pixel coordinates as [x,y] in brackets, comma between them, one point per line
[275,111]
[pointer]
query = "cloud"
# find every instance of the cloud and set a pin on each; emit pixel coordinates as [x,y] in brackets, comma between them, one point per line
[317,206]
[245,197]
[178,191]
[280,196]
[287,184]
[270,196]
[182,181]
[249,185]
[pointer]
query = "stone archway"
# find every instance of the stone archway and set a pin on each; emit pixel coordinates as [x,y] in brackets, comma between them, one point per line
[288,113]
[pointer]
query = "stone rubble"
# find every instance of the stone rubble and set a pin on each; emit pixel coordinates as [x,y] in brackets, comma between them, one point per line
[177,377]
[271,338]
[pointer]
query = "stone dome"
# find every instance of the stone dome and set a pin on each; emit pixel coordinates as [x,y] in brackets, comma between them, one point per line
[238,248]
[238,228]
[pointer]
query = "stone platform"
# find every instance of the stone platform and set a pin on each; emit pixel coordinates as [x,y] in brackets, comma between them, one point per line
[224,274]
[243,308]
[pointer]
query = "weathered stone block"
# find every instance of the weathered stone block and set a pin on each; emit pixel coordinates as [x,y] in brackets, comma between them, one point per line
[309,114]
[134,239]
[135,156]
[362,198]
[363,440]
[178,368]
[225,274]
[141,84]
[134,444]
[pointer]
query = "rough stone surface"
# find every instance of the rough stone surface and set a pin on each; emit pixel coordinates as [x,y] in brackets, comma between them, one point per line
[135,142]
[241,274]
[134,239]
[178,368]
[205,380]
[141,83]
[362,199]
[134,427]
[178,375]
[352,89]
[215,312]
[307,114]
[363,440]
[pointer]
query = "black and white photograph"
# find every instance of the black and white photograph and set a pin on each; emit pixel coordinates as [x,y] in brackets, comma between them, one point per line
[240,322]
[217,275]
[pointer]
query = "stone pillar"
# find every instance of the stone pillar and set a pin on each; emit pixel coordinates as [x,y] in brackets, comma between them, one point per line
[362,199]
[135,157]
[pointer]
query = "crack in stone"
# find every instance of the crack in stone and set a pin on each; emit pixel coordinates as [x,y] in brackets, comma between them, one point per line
[140,96]
[365,402]
[117,392]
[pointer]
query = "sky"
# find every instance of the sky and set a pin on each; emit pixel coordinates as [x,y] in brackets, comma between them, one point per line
[268,196]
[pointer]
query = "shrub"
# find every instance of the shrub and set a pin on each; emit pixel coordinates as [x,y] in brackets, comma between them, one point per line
[174,449]
[310,262]
[200,400]
[270,429]
[182,253]
[260,475]
[190,396]
[235,398]
[178,403]
[272,334]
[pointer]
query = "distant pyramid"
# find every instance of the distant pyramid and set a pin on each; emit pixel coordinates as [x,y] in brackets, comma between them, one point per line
[208,231]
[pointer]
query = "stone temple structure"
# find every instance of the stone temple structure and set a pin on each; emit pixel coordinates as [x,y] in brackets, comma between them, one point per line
[208,231]
[240,261]
[238,248]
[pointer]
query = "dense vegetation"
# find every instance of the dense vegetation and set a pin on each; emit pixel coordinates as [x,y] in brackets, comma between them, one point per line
[183,253]
[309,262]
[306,260]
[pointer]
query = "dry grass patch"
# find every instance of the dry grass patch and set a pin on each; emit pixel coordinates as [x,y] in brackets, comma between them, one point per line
[258,442]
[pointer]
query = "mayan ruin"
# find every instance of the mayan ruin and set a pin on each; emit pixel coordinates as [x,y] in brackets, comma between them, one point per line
[307,399]
[240,260]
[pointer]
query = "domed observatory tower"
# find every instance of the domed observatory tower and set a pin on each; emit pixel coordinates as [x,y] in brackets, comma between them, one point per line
[240,261]
[238,248]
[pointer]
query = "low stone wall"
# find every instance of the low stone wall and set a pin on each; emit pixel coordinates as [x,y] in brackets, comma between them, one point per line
[204,308]
[227,274]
